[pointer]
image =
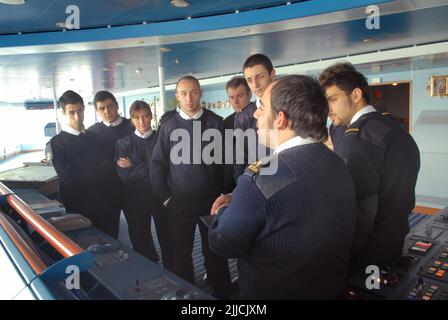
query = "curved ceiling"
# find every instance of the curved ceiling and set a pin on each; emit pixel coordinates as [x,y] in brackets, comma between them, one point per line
[130,65]
[43,15]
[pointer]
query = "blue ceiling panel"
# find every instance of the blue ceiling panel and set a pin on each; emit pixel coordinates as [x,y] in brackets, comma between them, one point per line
[35,75]
[42,15]
[299,9]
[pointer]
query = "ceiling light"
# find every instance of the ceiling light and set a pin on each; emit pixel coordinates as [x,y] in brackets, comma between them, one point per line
[180,3]
[13,2]
[395,84]
[165,49]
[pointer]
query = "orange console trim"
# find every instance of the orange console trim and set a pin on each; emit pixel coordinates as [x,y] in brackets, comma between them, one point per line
[64,245]
[25,249]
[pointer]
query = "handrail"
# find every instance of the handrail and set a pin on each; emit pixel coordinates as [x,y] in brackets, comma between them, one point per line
[65,246]
[25,249]
[4,190]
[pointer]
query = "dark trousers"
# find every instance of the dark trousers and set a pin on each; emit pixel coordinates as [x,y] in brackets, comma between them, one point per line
[139,225]
[139,228]
[184,215]
[107,219]
[104,206]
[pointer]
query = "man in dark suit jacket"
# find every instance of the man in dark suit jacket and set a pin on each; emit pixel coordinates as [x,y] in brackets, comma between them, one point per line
[383,160]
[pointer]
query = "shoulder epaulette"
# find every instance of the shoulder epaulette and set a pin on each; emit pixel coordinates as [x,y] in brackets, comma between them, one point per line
[254,168]
[352,130]
[166,116]
[371,128]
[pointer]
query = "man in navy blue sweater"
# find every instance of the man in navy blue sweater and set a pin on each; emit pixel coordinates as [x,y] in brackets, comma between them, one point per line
[76,157]
[291,229]
[258,72]
[187,185]
[110,129]
[239,95]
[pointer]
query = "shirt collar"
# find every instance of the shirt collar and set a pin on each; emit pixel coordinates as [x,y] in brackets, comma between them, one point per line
[194,117]
[363,111]
[70,130]
[115,123]
[294,142]
[258,103]
[143,136]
